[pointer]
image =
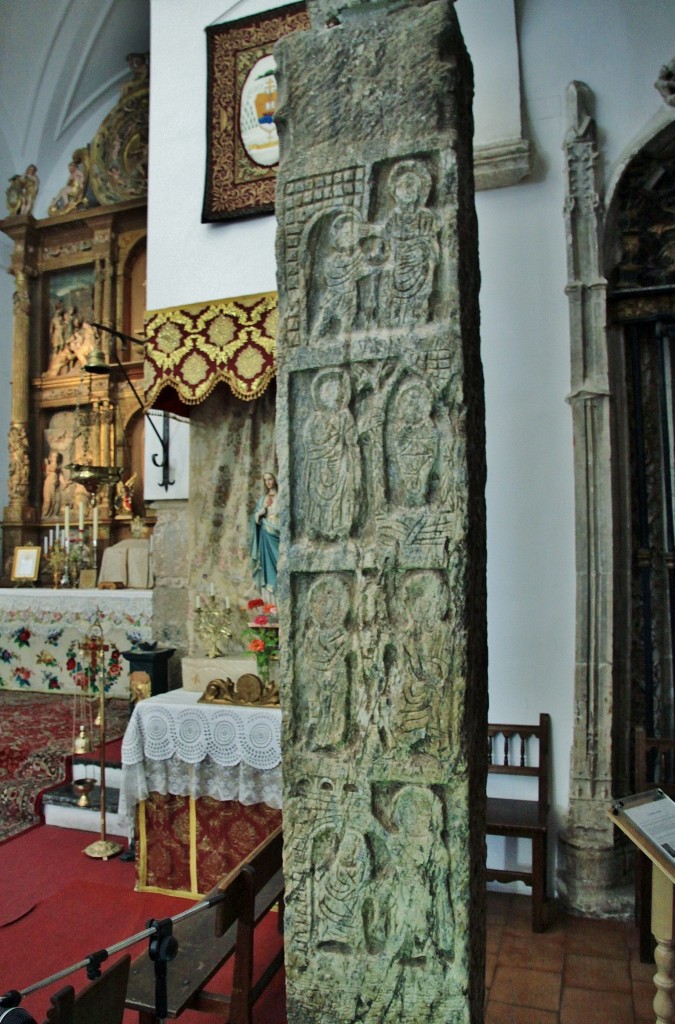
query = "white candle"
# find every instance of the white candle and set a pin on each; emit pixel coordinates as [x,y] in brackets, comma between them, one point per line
[81,516]
[66,520]
[51,538]
[227,601]
[95,526]
[211,590]
[58,533]
[45,545]
[198,602]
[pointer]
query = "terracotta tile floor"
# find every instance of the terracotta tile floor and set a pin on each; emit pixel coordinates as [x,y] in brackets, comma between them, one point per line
[578,971]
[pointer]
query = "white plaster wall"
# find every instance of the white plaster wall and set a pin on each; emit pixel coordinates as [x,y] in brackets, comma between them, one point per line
[617,47]
[192,262]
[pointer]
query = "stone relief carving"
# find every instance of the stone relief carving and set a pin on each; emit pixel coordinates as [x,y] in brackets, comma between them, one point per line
[306,200]
[422,920]
[332,465]
[411,237]
[382,462]
[377,274]
[342,871]
[378,887]
[343,267]
[375,656]
[418,712]
[414,444]
[324,651]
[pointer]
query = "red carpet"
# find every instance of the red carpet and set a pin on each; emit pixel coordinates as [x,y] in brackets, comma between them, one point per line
[81,905]
[36,741]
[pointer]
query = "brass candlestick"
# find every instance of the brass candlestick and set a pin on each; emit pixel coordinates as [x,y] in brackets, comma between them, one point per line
[93,650]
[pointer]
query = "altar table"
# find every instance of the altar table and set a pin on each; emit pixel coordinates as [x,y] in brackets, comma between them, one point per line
[203,784]
[41,629]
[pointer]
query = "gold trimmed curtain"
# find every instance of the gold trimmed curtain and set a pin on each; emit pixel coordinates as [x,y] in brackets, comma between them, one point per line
[193,348]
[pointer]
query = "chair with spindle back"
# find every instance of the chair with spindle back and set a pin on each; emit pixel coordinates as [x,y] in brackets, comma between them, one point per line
[654,768]
[522,818]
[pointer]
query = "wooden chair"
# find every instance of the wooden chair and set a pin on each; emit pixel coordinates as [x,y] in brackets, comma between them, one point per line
[654,768]
[208,939]
[522,818]
[102,1001]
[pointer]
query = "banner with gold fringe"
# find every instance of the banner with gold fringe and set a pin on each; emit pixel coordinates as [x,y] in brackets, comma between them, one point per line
[193,348]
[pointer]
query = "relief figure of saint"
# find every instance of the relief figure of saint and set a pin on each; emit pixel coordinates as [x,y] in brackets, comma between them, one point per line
[418,720]
[340,886]
[324,652]
[410,234]
[342,268]
[422,921]
[332,467]
[414,444]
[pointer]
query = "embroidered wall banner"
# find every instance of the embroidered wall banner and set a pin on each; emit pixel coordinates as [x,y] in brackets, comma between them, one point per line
[194,348]
[241,138]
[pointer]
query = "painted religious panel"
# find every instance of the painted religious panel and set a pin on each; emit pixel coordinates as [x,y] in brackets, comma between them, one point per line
[242,141]
[71,337]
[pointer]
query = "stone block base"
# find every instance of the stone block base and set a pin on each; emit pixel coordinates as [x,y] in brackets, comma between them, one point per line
[596,880]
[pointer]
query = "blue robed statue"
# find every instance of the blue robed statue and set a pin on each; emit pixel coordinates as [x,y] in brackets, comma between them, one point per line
[264,543]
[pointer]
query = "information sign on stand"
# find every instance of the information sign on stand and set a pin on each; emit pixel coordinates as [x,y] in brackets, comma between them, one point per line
[648,819]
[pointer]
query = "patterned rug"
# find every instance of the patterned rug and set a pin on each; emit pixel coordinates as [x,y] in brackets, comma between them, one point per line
[36,739]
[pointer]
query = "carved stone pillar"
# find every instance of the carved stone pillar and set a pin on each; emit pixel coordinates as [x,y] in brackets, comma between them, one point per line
[380,433]
[591,863]
[22,268]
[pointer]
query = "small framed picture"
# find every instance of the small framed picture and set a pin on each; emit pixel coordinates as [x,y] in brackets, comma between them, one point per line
[26,564]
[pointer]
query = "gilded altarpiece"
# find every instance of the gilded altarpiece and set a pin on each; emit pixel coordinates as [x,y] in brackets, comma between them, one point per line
[380,435]
[70,272]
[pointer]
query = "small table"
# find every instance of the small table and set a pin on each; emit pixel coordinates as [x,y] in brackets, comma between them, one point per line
[203,782]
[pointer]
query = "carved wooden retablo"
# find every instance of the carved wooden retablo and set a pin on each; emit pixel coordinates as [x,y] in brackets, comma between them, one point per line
[381,591]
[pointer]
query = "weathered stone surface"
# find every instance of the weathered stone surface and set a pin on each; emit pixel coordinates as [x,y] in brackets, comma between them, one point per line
[380,434]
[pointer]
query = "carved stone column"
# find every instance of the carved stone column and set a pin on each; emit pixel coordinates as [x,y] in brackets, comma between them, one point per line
[591,863]
[22,268]
[380,432]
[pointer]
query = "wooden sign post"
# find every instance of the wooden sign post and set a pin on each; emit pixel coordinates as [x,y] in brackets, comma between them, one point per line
[648,819]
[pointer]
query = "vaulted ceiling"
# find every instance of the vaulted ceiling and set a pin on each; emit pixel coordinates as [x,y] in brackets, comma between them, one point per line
[61,66]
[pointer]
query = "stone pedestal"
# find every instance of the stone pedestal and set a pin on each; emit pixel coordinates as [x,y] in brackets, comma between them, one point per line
[380,435]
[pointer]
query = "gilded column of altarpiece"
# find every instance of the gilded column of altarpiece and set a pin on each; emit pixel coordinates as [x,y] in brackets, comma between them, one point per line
[380,432]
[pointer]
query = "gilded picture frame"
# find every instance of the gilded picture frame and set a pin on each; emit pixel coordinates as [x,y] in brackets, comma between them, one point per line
[26,564]
[241,140]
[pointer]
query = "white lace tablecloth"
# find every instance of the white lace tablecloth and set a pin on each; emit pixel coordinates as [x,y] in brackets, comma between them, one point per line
[175,745]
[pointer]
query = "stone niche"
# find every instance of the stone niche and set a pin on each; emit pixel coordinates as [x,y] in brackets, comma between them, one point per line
[380,435]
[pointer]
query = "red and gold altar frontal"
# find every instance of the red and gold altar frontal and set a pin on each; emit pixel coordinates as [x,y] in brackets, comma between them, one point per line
[194,348]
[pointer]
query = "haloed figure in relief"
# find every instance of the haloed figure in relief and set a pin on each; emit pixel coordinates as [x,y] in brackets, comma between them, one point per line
[414,444]
[419,715]
[342,268]
[324,655]
[332,475]
[341,878]
[411,237]
[264,540]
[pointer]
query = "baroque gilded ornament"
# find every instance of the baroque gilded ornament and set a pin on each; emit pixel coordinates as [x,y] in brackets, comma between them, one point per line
[119,151]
